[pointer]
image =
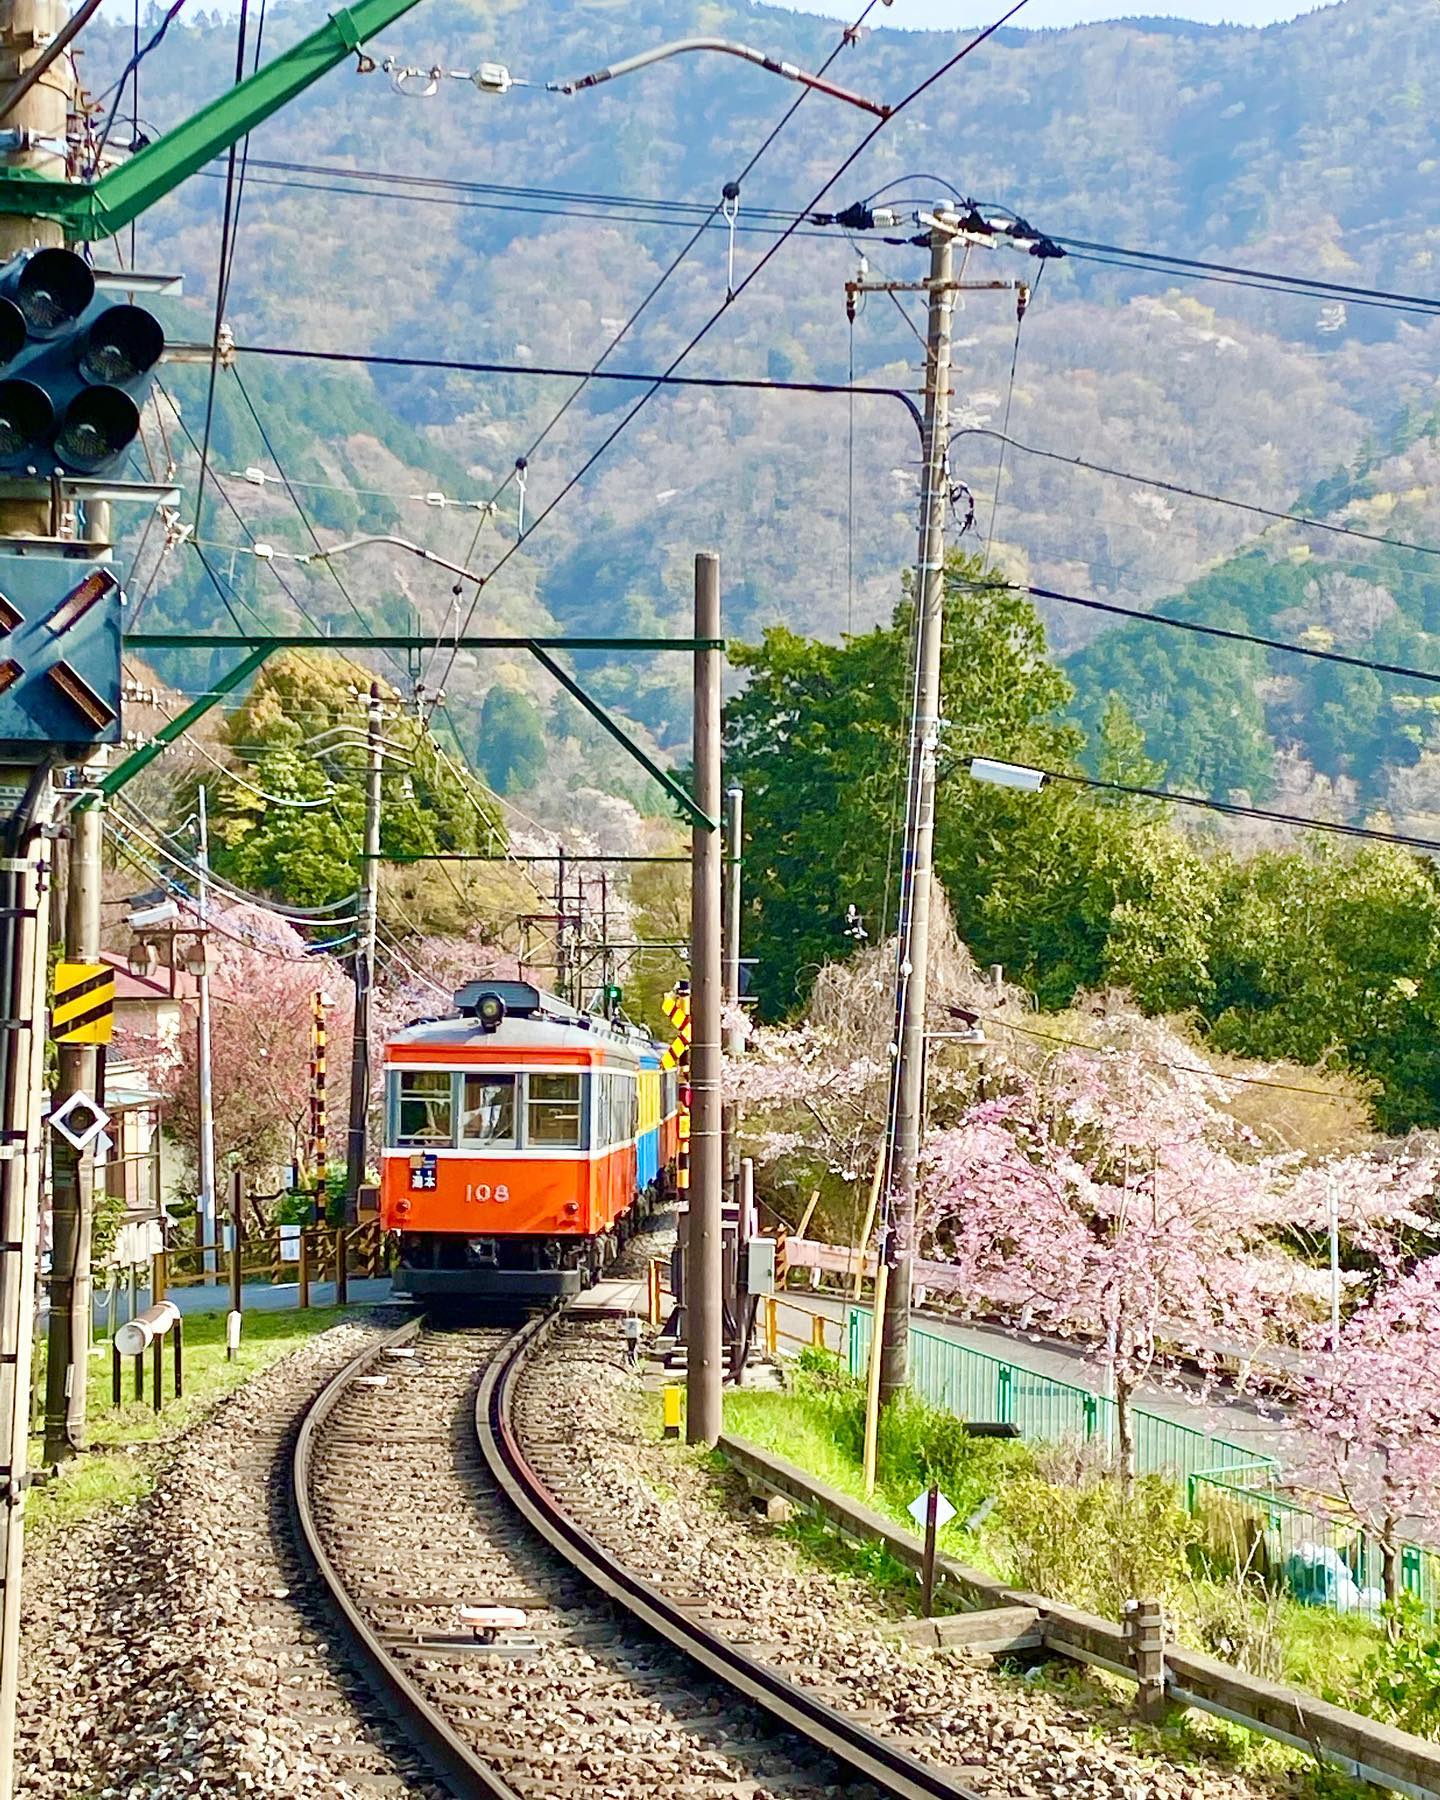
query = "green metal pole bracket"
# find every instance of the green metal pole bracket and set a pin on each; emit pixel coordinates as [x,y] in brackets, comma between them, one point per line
[99,209]
[123,772]
[597,712]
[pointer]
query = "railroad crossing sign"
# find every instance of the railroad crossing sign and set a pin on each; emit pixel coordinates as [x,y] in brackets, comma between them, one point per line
[676,1008]
[84,1008]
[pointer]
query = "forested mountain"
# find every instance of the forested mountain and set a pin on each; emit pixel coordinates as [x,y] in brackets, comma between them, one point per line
[1310,147]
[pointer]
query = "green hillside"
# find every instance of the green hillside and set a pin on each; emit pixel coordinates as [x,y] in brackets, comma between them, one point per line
[1307,147]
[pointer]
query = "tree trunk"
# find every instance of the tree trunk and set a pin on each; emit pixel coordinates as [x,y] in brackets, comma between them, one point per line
[1124,1432]
[1390,1576]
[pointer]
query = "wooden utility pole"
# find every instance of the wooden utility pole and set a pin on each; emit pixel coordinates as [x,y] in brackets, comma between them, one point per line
[704,1273]
[357,1151]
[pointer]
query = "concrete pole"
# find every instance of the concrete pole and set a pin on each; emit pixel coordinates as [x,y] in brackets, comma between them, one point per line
[704,1347]
[357,1142]
[209,1209]
[914,920]
[734,826]
[24,940]
[26,27]
[72,1172]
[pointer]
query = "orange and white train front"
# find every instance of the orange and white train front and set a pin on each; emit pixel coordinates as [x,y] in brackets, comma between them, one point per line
[520,1139]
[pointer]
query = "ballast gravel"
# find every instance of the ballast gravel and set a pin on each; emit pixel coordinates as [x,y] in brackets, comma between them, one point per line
[693,1532]
[173,1647]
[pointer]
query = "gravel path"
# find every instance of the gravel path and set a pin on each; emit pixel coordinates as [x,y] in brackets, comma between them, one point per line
[699,1535]
[172,1648]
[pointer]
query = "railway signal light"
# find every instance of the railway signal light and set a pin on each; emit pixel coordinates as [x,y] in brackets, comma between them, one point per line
[74,369]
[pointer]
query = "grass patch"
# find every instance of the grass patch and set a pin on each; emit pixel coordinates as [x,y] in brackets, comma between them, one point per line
[1058,1524]
[128,1441]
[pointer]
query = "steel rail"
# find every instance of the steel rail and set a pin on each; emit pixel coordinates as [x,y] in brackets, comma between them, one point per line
[456,1765]
[893,1770]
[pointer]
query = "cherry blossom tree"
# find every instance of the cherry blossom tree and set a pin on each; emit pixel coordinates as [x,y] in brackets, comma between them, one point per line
[1109,1201]
[1373,1407]
[262,986]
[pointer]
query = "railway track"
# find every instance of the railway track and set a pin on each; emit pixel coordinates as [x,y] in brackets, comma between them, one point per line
[414,1500]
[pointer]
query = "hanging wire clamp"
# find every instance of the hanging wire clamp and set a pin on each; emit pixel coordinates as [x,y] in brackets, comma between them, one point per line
[401,78]
[730,211]
[520,467]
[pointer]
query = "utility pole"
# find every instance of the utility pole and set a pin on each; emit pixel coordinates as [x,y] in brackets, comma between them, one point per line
[72,1171]
[734,832]
[357,1146]
[914,915]
[907,1090]
[26,28]
[704,1274]
[209,1211]
[562,937]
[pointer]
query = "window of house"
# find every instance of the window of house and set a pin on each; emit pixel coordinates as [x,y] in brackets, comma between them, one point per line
[487,1114]
[426,1107]
[553,1111]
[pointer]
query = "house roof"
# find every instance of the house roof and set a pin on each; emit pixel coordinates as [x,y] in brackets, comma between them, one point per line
[130,986]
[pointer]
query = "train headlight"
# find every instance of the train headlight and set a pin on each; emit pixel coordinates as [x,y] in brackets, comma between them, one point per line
[491,1011]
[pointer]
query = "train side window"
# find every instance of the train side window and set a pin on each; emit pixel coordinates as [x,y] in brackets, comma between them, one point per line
[553,1110]
[488,1113]
[426,1109]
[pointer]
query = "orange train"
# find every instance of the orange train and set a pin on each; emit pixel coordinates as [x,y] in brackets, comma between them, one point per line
[524,1142]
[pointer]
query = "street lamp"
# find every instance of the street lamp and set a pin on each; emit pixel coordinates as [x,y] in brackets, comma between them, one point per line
[1010,775]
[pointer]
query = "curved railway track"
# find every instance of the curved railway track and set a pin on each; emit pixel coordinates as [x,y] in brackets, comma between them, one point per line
[413,1498]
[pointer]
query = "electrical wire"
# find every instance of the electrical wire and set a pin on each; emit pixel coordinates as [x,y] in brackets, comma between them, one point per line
[732,295]
[1161,1062]
[1277,514]
[153,835]
[1221,631]
[222,273]
[661,210]
[295,500]
[732,187]
[1234,809]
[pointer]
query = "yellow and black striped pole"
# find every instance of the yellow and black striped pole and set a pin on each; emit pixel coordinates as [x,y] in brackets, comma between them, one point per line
[676,1055]
[319,1116]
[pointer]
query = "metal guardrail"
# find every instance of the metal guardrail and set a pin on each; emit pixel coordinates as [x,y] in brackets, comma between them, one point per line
[975,1385]
[1362,1747]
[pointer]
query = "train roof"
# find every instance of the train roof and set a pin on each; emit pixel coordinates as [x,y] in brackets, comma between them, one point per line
[532,1020]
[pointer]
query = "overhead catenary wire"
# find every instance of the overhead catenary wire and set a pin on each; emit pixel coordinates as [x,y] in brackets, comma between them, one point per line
[731,294]
[951,62]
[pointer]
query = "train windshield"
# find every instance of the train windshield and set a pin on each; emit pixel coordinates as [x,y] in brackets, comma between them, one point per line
[488,1113]
[553,1109]
[425,1107]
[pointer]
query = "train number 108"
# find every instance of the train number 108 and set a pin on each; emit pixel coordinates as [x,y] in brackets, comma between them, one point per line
[482,1190]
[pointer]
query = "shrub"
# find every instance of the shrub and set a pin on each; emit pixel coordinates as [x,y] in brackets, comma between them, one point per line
[1095,1545]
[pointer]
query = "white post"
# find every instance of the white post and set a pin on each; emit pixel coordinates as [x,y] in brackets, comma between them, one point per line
[1332,1207]
[207,1100]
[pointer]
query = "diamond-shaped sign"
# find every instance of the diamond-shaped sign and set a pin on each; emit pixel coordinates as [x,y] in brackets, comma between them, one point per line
[79,1121]
[919,1506]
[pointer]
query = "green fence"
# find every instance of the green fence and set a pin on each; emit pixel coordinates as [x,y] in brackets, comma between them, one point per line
[975,1385]
[1319,1556]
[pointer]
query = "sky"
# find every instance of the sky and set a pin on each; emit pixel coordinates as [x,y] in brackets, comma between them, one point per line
[1043,14]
